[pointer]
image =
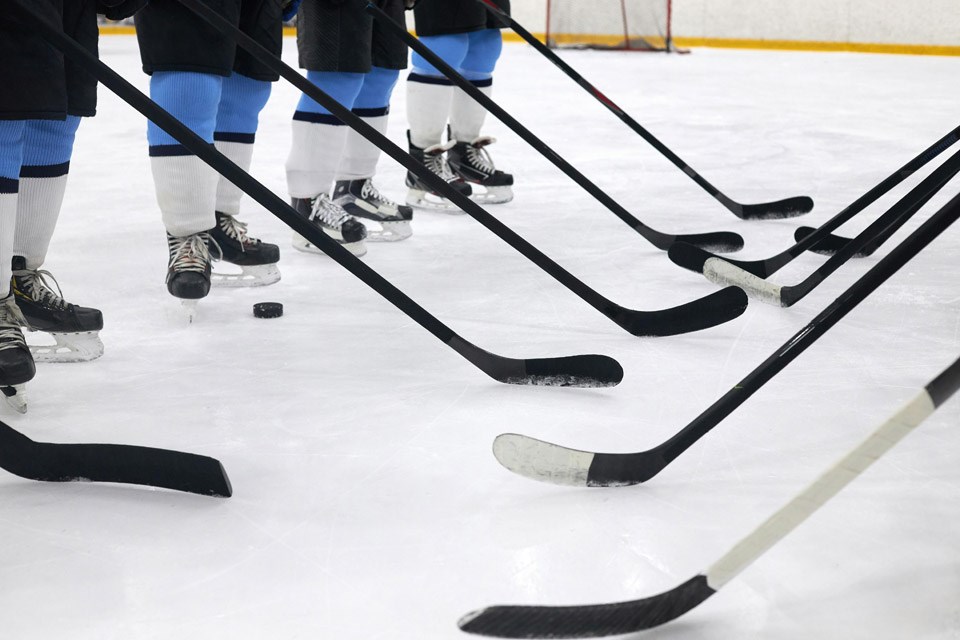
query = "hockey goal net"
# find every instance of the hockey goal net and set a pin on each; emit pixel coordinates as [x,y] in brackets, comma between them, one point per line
[636,25]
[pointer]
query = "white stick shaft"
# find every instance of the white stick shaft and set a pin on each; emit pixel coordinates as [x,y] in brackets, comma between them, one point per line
[825,487]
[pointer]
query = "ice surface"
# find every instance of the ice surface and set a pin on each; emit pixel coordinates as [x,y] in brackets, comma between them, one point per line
[367,502]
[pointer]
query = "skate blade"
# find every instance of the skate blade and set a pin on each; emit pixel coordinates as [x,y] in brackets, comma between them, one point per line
[492,195]
[189,309]
[16,397]
[250,276]
[390,232]
[302,244]
[69,347]
[428,201]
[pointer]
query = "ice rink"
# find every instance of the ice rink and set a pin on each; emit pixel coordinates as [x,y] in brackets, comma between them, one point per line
[367,503]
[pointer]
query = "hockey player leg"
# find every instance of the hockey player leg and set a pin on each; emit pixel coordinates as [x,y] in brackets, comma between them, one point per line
[241,101]
[469,157]
[48,146]
[318,144]
[429,97]
[186,187]
[354,189]
[16,363]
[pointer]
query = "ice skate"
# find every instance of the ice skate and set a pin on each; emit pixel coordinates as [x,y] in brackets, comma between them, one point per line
[256,259]
[75,329]
[472,162]
[420,194]
[188,270]
[331,219]
[16,362]
[361,199]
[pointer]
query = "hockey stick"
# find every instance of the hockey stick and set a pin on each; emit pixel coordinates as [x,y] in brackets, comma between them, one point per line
[555,464]
[787,208]
[582,370]
[723,241]
[723,273]
[695,315]
[692,258]
[126,464]
[592,621]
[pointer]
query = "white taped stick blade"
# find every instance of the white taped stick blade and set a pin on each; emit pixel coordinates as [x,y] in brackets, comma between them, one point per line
[542,461]
[725,274]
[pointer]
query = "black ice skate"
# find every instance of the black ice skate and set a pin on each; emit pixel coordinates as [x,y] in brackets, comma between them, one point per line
[256,259]
[420,194]
[362,200]
[472,162]
[331,219]
[16,363]
[188,270]
[75,329]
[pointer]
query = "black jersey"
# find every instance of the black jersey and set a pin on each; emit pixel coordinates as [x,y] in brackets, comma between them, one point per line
[443,17]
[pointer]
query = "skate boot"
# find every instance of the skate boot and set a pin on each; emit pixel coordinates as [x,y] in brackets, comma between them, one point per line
[16,363]
[361,199]
[472,162]
[188,270]
[331,219]
[75,329]
[420,194]
[256,259]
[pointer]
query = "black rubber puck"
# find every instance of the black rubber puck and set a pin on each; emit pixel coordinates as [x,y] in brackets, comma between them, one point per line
[267,310]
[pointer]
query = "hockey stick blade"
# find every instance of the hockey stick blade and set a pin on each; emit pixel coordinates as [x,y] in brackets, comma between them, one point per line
[830,244]
[716,241]
[696,315]
[587,621]
[568,371]
[124,464]
[592,621]
[786,208]
[556,464]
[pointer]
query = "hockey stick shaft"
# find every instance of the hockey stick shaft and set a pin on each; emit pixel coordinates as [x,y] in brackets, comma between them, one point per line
[734,206]
[801,507]
[657,238]
[268,199]
[713,310]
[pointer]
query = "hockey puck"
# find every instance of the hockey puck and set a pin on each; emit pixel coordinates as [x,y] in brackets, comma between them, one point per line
[267,310]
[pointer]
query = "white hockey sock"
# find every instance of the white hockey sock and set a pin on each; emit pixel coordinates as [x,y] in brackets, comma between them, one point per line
[228,194]
[467,115]
[359,155]
[428,107]
[186,192]
[8,224]
[314,157]
[38,209]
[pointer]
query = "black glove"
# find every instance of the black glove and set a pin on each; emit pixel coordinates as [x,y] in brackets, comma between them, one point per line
[119,9]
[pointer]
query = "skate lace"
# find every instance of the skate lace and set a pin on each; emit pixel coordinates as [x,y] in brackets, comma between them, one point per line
[33,282]
[11,319]
[190,253]
[328,212]
[435,159]
[479,157]
[237,230]
[370,192]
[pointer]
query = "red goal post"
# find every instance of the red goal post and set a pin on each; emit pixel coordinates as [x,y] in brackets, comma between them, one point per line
[628,25]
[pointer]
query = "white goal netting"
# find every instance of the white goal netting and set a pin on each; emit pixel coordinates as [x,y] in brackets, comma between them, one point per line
[641,25]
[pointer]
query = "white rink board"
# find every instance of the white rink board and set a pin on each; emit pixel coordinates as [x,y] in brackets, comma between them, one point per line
[367,502]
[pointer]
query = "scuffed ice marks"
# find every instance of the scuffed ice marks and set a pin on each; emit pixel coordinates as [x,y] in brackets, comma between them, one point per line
[560,380]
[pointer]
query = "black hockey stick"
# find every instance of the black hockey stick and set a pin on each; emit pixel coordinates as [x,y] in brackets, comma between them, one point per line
[695,315]
[126,464]
[722,241]
[718,271]
[787,208]
[592,621]
[559,465]
[690,257]
[583,370]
